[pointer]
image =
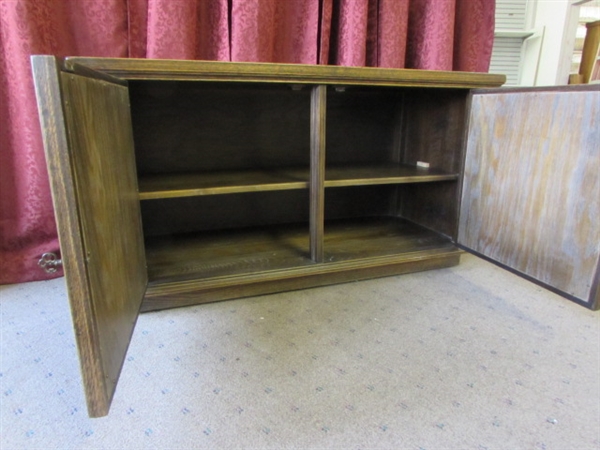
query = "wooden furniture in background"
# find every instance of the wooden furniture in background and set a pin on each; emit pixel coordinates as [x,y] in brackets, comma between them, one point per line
[182,182]
[590,56]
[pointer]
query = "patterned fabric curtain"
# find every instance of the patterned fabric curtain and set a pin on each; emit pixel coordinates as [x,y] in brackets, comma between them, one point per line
[421,34]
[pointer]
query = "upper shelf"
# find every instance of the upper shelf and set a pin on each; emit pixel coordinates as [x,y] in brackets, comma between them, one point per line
[221,182]
[155,69]
[231,182]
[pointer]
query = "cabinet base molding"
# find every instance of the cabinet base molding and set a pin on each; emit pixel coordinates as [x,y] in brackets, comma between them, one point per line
[172,295]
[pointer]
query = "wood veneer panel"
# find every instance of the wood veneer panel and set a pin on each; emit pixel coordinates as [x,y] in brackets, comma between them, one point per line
[46,73]
[361,125]
[221,182]
[131,68]
[531,195]
[372,237]
[231,252]
[317,170]
[232,182]
[172,216]
[177,294]
[354,249]
[371,174]
[433,131]
[188,127]
[234,252]
[101,151]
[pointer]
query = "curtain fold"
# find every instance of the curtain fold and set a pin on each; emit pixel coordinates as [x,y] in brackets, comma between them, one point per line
[423,34]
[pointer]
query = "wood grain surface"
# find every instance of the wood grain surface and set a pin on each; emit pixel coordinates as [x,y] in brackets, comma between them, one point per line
[252,250]
[531,194]
[232,182]
[46,72]
[318,115]
[144,69]
[101,151]
[209,126]
[248,178]
[219,265]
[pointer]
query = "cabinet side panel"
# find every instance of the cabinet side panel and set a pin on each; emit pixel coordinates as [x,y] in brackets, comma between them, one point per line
[103,163]
[531,195]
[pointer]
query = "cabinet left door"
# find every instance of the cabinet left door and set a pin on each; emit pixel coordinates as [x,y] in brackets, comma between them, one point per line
[88,141]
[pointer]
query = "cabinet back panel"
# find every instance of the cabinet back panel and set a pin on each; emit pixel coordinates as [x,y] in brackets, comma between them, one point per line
[425,204]
[359,201]
[205,126]
[431,205]
[362,125]
[434,128]
[220,212]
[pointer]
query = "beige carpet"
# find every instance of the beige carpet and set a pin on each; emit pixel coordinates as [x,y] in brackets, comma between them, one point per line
[471,357]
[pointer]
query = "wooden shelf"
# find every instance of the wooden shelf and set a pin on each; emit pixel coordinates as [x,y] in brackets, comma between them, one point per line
[242,251]
[221,182]
[232,182]
[227,253]
[370,174]
[371,237]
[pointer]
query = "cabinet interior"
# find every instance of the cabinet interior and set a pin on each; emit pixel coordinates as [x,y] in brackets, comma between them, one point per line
[224,174]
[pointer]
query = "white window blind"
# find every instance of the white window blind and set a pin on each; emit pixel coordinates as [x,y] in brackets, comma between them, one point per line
[506,58]
[511,14]
[509,36]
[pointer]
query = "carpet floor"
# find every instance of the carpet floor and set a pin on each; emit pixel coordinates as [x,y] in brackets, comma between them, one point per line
[470,357]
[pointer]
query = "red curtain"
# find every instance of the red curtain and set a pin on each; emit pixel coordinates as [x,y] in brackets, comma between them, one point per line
[422,34]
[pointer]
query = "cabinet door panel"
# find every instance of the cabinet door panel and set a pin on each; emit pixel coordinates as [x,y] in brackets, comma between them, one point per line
[531,193]
[94,187]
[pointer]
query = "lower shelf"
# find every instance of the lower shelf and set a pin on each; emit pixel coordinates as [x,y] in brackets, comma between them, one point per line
[226,253]
[216,266]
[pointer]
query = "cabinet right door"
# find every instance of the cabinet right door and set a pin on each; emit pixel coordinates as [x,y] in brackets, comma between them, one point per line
[531,188]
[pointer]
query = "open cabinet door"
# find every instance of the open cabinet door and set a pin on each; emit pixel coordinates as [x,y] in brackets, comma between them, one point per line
[88,140]
[531,192]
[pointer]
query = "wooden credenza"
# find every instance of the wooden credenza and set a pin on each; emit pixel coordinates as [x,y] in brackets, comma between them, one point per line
[182,182]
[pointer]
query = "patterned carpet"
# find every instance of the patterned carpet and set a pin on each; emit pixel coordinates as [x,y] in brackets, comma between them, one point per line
[471,357]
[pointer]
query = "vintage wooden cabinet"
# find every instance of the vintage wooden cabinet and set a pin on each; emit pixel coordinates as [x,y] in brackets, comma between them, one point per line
[181,182]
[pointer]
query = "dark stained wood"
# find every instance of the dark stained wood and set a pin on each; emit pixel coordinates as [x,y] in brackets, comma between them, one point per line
[434,132]
[317,171]
[390,173]
[193,292]
[220,254]
[184,127]
[279,179]
[46,75]
[361,125]
[226,253]
[240,186]
[103,164]
[86,71]
[219,266]
[373,237]
[355,202]
[221,182]
[284,73]
[531,195]
[172,216]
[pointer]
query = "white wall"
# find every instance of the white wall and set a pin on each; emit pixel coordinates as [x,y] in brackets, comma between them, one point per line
[559,20]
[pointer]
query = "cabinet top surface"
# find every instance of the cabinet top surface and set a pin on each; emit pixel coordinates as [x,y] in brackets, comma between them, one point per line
[155,69]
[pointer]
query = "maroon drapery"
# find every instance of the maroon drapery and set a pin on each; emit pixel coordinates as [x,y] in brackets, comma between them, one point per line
[423,34]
